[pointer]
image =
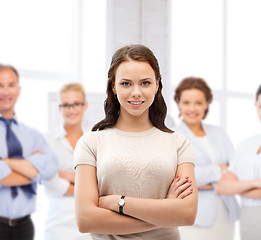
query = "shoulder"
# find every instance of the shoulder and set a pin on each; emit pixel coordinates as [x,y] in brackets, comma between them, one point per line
[211,127]
[249,141]
[30,130]
[214,129]
[51,134]
[92,137]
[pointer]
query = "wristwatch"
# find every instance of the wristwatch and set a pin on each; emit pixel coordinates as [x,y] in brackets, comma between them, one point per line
[121,204]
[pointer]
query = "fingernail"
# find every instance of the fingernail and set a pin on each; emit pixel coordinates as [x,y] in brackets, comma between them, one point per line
[191,189]
[187,177]
[190,181]
[177,177]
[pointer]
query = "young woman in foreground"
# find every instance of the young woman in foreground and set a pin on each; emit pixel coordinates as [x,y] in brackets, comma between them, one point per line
[134,176]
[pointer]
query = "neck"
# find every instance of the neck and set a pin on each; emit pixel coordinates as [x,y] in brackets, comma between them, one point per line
[133,123]
[73,133]
[73,130]
[7,114]
[196,129]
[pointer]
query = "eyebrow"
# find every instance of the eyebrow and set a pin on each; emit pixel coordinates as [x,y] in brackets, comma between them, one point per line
[125,79]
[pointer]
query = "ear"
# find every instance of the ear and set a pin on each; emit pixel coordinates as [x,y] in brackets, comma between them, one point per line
[157,86]
[113,88]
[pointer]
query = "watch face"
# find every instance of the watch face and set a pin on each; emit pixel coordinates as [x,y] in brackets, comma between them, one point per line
[121,202]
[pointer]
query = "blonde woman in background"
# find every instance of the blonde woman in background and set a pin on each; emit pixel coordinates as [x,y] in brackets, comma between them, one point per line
[60,222]
[244,178]
[213,151]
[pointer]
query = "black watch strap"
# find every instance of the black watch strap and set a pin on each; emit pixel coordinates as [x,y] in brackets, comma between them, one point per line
[121,206]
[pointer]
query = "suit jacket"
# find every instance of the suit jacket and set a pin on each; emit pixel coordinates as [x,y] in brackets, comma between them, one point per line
[207,171]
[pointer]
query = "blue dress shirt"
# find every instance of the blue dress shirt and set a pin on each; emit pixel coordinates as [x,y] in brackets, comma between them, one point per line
[46,163]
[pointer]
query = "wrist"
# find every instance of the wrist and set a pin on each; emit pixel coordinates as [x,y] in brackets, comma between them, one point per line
[121,204]
[6,160]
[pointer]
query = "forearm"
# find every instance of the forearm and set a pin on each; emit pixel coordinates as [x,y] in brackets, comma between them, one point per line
[207,175]
[69,176]
[163,212]
[255,193]
[15,179]
[231,187]
[70,190]
[206,187]
[95,220]
[22,166]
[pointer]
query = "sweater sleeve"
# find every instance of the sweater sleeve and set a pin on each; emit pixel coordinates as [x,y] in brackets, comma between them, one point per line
[85,150]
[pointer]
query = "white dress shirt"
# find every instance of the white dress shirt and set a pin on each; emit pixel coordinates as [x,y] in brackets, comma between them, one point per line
[246,165]
[60,222]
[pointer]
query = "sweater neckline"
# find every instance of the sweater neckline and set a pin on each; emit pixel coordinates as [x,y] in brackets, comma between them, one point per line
[136,134]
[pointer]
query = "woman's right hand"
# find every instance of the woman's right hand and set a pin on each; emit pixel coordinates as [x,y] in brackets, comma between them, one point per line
[180,188]
[223,167]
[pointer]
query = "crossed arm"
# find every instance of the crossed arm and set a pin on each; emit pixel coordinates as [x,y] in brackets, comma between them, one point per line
[230,185]
[70,177]
[22,172]
[92,213]
[209,186]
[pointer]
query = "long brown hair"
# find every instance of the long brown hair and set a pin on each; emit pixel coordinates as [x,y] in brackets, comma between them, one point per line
[158,109]
[194,83]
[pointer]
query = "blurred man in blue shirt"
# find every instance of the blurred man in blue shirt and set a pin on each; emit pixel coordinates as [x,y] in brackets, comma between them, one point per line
[25,158]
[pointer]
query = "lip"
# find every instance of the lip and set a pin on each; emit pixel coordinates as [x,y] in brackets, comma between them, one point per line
[72,116]
[5,100]
[192,115]
[136,104]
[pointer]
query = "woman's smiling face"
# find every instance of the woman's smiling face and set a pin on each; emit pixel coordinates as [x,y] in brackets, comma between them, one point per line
[135,87]
[192,105]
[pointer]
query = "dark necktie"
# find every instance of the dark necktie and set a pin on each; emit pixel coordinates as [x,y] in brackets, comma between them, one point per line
[15,150]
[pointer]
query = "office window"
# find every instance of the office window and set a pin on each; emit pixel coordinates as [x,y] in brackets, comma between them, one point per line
[243,45]
[197,40]
[220,42]
[52,43]
[37,34]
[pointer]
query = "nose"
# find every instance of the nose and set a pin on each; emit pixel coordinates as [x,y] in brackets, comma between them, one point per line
[136,92]
[192,107]
[5,90]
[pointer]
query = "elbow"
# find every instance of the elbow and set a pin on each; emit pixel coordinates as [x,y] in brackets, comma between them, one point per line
[48,173]
[83,225]
[190,216]
[84,221]
[190,212]
[222,190]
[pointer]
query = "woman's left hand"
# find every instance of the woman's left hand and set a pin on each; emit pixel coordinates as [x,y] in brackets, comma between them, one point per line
[180,188]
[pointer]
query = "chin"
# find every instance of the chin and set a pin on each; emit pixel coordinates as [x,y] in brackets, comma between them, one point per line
[72,122]
[192,121]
